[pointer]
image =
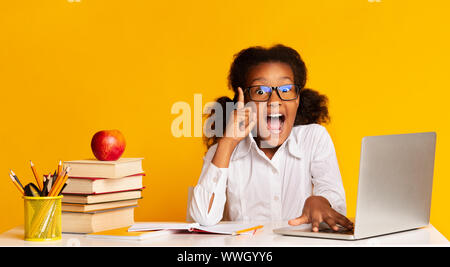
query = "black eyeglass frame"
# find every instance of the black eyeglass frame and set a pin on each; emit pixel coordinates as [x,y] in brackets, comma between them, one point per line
[273,88]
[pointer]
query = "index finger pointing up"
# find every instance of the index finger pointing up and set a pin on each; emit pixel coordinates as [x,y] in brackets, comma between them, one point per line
[240,103]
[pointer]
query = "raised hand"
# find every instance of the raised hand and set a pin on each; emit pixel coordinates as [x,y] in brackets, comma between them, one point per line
[241,122]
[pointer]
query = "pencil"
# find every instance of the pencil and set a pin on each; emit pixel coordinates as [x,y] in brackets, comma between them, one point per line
[64,186]
[17,185]
[55,182]
[56,188]
[37,177]
[247,230]
[59,168]
[16,178]
[64,182]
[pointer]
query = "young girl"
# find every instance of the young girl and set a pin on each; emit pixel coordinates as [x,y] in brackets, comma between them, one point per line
[275,161]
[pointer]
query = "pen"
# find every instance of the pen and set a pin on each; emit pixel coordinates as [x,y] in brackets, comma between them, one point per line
[248,229]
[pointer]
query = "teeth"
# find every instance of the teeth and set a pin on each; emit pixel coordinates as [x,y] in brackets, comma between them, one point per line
[274,115]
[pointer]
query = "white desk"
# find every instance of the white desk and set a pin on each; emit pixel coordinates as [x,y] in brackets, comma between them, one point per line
[426,236]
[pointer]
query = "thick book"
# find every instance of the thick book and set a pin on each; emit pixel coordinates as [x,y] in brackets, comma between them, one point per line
[104,169]
[122,233]
[90,185]
[75,207]
[225,228]
[101,198]
[89,222]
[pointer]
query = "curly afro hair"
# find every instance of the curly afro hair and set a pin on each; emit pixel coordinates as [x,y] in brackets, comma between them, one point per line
[313,106]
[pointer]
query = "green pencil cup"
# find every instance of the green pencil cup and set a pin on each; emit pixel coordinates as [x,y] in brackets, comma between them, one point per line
[42,217]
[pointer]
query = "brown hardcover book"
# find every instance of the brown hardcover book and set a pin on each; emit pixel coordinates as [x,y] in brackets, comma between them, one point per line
[89,222]
[104,169]
[90,185]
[101,198]
[74,207]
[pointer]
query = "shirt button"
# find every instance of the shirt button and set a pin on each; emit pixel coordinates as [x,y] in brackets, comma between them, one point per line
[276,198]
[216,179]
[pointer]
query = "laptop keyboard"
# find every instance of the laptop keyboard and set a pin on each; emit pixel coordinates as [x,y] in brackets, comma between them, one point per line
[323,228]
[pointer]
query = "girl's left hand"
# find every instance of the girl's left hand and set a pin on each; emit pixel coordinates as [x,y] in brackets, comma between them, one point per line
[317,209]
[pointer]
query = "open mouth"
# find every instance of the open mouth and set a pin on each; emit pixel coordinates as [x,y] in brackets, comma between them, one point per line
[275,122]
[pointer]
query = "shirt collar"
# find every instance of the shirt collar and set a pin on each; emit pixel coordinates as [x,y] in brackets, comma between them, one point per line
[243,148]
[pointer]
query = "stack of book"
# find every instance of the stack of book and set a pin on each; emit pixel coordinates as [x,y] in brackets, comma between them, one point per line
[101,195]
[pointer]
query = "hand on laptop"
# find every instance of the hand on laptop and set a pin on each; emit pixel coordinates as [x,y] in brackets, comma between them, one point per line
[317,209]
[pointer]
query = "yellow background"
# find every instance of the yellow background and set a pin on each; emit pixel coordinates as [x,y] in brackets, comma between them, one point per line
[68,70]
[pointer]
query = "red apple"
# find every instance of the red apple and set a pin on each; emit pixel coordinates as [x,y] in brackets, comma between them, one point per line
[108,144]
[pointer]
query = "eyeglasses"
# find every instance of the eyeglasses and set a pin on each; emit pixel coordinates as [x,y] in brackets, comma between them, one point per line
[262,93]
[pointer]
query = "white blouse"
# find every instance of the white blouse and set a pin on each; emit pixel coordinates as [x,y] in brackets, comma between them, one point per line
[255,188]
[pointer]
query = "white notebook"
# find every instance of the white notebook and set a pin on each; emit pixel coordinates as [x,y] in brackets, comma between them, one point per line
[225,228]
[122,233]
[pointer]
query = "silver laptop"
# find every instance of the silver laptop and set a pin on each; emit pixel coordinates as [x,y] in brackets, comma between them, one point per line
[394,188]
